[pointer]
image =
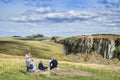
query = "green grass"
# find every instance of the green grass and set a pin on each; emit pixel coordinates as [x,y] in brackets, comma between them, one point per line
[101,72]
[14,69]
[38,49]
[12,63]
[33,39]
[108,36]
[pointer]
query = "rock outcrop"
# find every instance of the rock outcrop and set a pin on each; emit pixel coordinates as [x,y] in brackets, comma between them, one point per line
[85,45]
[57,38]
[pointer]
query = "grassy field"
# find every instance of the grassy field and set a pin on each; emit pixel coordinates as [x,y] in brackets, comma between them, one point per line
[13,68]
[108,36]
[38,49]
[12,63]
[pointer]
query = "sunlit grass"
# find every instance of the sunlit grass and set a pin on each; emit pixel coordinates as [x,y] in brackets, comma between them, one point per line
[102,72]
[14,68]
[12,62]
[38,49]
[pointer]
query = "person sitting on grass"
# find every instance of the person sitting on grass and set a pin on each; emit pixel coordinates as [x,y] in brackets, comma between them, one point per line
[41,66]
[32,66]
[53,64]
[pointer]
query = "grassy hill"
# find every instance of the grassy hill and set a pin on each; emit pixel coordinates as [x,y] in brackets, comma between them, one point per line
[38,49]
[12,63]
[34,37]
[108,36]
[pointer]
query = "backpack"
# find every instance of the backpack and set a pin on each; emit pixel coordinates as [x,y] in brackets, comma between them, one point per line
[31,66]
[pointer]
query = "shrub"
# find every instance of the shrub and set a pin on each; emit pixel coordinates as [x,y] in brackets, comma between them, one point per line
[117,42]
[117,50]
[94,46]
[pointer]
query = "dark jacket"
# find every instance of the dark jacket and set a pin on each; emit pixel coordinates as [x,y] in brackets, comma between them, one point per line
[42,67]
[53,64]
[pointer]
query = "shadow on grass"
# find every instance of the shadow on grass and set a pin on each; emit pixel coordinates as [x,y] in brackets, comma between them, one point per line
[22,71]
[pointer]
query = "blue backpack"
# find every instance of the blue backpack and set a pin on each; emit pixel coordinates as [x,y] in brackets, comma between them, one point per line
[31,66]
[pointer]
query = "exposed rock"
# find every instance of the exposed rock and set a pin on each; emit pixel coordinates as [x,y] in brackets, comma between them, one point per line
[85,45]
[57,39]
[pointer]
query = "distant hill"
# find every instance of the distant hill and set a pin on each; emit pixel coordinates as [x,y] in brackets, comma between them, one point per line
[35,37]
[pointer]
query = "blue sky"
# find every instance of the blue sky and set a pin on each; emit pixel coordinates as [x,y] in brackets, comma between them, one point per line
[59,17]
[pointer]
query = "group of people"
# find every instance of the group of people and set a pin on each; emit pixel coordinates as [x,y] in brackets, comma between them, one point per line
[31,66]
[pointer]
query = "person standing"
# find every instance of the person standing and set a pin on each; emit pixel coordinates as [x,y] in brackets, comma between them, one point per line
[27,59]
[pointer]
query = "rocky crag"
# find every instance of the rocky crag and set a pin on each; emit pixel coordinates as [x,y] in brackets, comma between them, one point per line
[86,44]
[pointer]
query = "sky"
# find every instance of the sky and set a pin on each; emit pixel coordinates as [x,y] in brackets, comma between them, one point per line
[59,17]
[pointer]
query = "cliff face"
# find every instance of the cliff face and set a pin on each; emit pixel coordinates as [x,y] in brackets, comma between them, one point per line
[103,46]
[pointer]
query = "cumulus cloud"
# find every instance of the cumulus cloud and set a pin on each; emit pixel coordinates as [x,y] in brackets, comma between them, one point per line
[43,9]
[105,17]
[109,17]
[48,15]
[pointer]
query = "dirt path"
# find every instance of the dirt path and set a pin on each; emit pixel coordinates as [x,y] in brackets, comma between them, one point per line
[58,73]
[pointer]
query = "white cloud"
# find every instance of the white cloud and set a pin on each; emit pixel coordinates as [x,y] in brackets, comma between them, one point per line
[43,9]
[54,16]
[115,28]
[22,18]
[106,17]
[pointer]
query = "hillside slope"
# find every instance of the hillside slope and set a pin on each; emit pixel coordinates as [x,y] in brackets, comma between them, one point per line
[99,48]
[38,49]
